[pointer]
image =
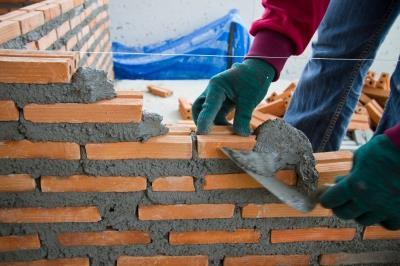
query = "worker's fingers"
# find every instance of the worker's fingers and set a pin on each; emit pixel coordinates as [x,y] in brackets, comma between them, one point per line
[242,119]
[226,108]
[392,223]
[349,210]
[197,106]
[369,218]
[336,196]
[213,103]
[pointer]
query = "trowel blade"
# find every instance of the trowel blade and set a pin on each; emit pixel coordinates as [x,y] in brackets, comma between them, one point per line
[261,167]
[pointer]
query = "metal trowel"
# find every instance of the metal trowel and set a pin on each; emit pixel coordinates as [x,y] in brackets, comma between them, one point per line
[271,155]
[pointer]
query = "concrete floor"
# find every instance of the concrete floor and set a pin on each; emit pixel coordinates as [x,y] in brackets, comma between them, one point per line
[189,89]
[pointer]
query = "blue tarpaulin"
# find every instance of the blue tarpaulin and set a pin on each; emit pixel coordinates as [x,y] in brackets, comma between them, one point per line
[179,59]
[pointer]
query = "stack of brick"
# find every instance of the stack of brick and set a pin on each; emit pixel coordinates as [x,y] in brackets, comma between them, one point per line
[62,25]
[7,6]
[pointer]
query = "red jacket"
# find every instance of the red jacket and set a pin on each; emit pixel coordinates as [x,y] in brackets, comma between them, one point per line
[285,29]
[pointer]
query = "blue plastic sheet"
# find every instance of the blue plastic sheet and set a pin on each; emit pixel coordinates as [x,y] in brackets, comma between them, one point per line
[225,36]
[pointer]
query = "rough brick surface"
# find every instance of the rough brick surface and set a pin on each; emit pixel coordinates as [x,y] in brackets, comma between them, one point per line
[363,258]
[17,183]
[105,238]
[56,262]
[8,111]
[50,11]
[378,232]
[9,30]
[184,212]
[108,111]
[243,181]
[163,260]
[209,145]
[279,210]
[174,183]
[267,260]
[312,234]
[55,215]
[29,21]
[47,40]
[93,184]
[214,237]
[333,157]
[25,149]
[164,147]
[14,243]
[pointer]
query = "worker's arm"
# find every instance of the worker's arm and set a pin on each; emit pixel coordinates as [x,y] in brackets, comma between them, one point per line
[285,29]
[370,194]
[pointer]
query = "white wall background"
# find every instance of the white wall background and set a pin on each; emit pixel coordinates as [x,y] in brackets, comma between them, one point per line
[141,22]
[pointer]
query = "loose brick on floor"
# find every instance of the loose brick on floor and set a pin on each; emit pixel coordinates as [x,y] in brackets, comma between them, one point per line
[104,238]
[312,234]
[79,183]
[35,70]
[279,210]
[174,184]
[163,147]
[240,236]
[162,92]
[378,232]
[8,111]
[24,242]
[373,257]
[163,261]
[9,30]
[55,262]
[244,181]
[29,21]
[116,110]
[185,212]
[333,157]
[268,260]
[208,146]
[50,215]
[25,149]
[17,183]
[277,107]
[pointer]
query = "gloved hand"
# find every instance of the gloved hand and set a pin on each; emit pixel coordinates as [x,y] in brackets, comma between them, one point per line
[370,194]
[241,87]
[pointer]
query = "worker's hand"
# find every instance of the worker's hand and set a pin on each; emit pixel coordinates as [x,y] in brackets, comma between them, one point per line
[241,87]
[370,194]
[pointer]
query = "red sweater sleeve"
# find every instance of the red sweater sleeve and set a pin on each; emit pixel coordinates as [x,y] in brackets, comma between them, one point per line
[285,29]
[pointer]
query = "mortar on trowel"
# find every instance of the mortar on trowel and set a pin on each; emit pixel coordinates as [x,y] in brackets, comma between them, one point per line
[281,146]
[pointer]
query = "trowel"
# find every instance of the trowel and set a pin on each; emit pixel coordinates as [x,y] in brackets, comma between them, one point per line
[280,146]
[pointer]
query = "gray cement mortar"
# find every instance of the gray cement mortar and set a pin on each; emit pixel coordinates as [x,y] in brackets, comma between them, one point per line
[150,126]
[87,85]
[10,131]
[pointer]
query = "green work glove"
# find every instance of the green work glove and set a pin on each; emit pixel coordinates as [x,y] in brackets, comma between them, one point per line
[241,87]
[370,194]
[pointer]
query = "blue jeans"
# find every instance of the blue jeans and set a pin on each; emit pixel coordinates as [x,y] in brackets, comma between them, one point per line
[328,90]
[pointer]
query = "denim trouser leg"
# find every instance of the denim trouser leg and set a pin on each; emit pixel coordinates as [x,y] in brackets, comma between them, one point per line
[328,91]
[391,115]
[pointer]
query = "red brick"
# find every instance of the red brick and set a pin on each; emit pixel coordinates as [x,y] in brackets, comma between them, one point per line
[174,184]
[46,41]
[71,43]
[329,171]
[75,21]
[162,92]
[9,30]
[163,261]
[107,111]
[25,149]
[79,183]
[378,232]
[185,212]
[104,238]
[278,210]
[130,94]
[163,147]
[333,157]
[8,111]
[312,234]
[17,183]
[54,215]
[29,21]
[14,243]
[268,260]
[63,29]
[243,181]
[56,262]
[50,11]
[66,5]
[239,236]
[13,14]
[376,258]
[209,145]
